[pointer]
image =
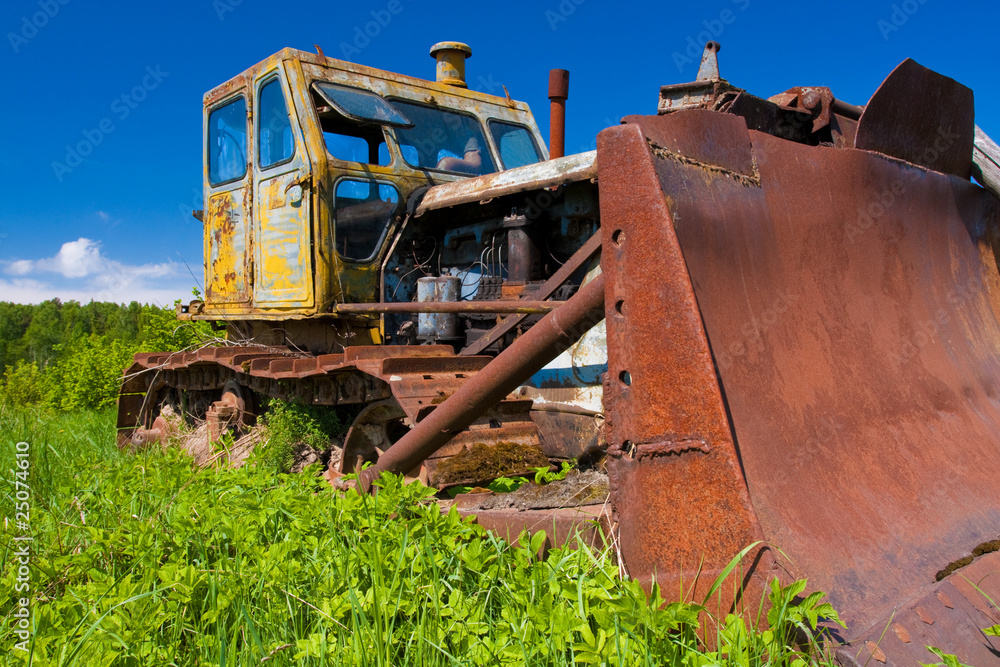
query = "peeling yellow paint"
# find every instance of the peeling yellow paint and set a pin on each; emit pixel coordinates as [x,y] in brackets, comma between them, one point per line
[225,249]
[270,255]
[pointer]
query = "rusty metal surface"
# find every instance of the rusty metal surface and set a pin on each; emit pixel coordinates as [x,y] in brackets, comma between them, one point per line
[725,149]
[370,434]
[922,117]
[706,91]
[416,378]
[677,491]
[546,174]
[814,102]
[947,615]
[282,241]
[570,526]
[846,109]
[524,307]
[551,335]
[327,379]
[568,394]
[558,94]
[843,131]
[858,348]
[512,416]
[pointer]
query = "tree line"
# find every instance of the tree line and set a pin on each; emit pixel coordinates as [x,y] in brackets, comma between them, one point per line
[70,356]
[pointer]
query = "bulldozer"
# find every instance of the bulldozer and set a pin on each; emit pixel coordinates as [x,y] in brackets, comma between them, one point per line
[336,290]
[777,319]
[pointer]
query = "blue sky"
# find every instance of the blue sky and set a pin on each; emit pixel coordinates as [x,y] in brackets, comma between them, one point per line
[115,225]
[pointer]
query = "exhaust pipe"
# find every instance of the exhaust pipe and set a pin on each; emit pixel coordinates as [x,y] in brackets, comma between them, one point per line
[542,343]
[558,93]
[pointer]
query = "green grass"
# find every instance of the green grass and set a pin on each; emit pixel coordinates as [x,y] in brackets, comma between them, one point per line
[139,559]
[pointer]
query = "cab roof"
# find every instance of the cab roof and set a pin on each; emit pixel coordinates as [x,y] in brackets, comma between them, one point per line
[409,82]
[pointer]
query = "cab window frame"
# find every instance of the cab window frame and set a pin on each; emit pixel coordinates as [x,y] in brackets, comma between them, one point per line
[247,148]
[345,122]
[338,106]
[531,136]
[390,220]
[275,76]
[487,138]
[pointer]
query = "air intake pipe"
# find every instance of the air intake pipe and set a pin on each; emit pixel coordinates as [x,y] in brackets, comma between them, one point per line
[451,58]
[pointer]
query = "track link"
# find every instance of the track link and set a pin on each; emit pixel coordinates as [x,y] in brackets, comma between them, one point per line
[418,378]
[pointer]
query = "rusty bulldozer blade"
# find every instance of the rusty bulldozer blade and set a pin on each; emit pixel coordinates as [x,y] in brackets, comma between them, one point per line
[804,349]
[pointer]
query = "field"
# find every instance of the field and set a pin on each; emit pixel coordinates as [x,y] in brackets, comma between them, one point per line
[140,559]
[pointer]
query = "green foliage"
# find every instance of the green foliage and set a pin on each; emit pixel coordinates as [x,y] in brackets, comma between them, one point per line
[44,331]
[71,357]
[88,374]
[291,425]
[507,484]
[22,383]
[14,321]
[947,659]
[802,616]
[993,630]
[794,635]
[140,559]
[224,444]
[544,475]
[499,485]
[160,331]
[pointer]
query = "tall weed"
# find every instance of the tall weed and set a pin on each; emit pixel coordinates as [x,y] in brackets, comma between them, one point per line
[140,559]
[292,425]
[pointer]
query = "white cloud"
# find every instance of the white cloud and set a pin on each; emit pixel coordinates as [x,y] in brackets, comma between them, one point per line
[103,216]
[75,259]
[21,267]
[34,291]
[81,272]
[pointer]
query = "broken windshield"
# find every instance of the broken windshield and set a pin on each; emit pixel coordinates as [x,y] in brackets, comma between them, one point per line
[445,140]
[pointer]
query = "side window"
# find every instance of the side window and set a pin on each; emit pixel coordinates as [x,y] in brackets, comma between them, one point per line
[365,147]
[350,140]
[227,142]
[274,129]
[517,146]
[364,209]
